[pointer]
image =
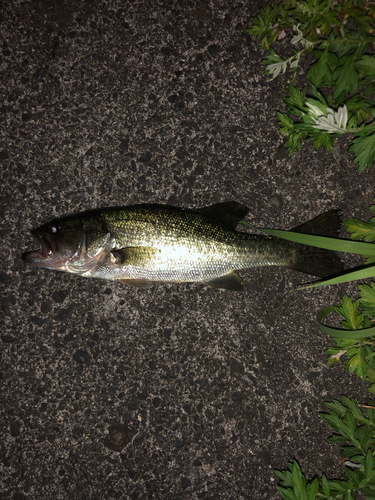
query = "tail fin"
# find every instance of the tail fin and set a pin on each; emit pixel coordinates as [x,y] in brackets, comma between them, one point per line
[317,261]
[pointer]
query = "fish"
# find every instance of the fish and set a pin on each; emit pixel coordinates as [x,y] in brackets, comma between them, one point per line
[144,244]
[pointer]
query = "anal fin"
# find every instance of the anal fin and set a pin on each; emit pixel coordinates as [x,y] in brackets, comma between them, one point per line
[230,281]
[139,282]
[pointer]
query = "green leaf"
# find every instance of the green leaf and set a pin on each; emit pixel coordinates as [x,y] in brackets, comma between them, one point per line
[352,453]
[341,46]
[287,493]
[325,486]
[312,489]
[337,438]
[296,102]
[369,493]
[369,465]
[360,107]
[367,324]
[357,364]
[263,23]
[346,76]
[320,96]
[326,22]
[289,130]
[370,411]
[353,477]
[364,151]
[367,300]
[285,121]
[349,311]
[294,142]
[364,22]
[281,475]
[325,140]
[333,421]
[321,70]
[265,43]
[350,424]
[354,408]
[341,486]
[370,375]
[299,481]
[369,90]
[357,102]
[363,438]
[337,407]
[360,230]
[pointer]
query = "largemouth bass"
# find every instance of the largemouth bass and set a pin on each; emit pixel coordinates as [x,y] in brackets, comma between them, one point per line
[143,244]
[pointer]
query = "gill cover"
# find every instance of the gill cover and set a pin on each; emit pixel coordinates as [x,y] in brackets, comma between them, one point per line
[74,244]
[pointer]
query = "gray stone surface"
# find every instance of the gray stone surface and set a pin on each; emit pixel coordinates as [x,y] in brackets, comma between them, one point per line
[180,391]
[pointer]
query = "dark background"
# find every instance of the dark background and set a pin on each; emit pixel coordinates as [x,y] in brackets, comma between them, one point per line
[181,391]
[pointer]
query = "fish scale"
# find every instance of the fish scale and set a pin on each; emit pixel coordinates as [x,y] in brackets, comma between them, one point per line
[192,247]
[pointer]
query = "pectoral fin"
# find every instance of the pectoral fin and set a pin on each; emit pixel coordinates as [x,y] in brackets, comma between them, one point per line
[136,256]
[230,281]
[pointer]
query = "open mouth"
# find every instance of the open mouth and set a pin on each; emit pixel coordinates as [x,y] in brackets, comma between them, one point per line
[46,251]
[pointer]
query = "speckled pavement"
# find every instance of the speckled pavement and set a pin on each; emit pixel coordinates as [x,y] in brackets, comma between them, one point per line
[181,391]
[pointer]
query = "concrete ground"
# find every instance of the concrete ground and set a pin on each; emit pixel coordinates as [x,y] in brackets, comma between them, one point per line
[180,391]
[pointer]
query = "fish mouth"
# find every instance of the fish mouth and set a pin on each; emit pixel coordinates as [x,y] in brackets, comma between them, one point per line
[45,252]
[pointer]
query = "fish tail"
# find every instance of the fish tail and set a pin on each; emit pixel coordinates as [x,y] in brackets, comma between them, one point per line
[318,261]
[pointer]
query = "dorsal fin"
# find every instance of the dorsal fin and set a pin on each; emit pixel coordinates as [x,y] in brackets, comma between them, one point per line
[228,212]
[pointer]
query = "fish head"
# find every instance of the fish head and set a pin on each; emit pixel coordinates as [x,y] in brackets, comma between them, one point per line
[72,244]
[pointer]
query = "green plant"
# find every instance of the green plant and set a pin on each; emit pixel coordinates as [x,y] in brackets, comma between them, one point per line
[339,35]
[357,430]
[359,352]
[358,343]
[356,340]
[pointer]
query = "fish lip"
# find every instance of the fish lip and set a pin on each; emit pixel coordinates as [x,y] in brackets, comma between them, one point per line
[46,249]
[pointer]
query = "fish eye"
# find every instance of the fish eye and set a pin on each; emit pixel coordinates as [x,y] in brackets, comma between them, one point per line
[54,228]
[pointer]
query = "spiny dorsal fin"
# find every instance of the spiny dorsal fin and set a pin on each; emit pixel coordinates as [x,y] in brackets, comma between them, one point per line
[228,212]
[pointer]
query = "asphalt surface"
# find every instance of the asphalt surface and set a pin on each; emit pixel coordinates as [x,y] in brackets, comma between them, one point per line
[181,391]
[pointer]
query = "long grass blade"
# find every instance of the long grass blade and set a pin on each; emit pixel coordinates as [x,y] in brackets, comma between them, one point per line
[336,244]
[360,274]
[339,332]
